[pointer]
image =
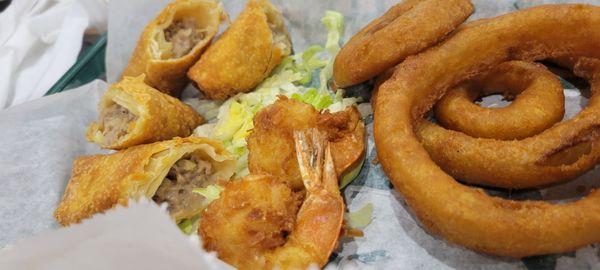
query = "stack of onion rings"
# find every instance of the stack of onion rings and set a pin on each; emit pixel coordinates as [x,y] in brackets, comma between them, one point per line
[466,215]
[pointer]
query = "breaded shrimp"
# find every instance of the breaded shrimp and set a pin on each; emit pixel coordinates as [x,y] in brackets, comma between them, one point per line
[271,143]
[256,222]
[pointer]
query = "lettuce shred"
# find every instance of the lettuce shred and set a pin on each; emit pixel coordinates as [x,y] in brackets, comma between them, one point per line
[210,192]
[334,22]
[189,225]
[292,78]
[361,218]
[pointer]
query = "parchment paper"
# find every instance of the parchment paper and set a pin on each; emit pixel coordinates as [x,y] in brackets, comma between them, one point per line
[38,142]
[41,138]
[141,236]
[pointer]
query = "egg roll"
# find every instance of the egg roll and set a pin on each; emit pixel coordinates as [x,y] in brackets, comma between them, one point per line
[245,54]
[173,42]
[165,171]
[133,113]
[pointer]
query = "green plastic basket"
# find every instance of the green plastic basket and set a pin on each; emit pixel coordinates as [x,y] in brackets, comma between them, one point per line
[90,65]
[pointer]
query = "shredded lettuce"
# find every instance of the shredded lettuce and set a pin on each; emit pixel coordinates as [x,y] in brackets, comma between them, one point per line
[313,98]
[185,226]
[292,78]
[305,63]
[210,192]
[189,225]
[361,218]
[207,108]
[334,22]
[349,176]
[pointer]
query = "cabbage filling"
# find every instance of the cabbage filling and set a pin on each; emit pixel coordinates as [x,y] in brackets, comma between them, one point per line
[115,121]
[183,35]
[280,38]
[188,173]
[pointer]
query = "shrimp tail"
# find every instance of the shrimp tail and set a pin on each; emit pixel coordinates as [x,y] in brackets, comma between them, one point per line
[315,161]
[320,218]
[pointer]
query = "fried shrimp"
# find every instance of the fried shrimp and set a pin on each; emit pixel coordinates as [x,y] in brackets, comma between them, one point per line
[258,223]
[271,144]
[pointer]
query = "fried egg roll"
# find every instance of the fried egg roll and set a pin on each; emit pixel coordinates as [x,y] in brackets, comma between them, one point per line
[245,54]
[165,171]
[173,42]
[133,113]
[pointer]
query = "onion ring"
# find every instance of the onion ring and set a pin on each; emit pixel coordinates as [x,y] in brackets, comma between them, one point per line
[563,152]
[465,215]
[538,105]
[532,162]
[405,29]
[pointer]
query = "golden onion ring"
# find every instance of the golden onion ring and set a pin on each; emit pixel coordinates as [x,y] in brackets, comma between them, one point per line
[465,215]
[539,103]
[405,29]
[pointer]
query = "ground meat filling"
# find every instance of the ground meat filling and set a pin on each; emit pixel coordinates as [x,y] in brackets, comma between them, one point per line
[115,121]
[280,38]
[187,173]
[184,35]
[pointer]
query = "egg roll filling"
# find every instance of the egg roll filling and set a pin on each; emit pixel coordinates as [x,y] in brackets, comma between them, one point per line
[275,22]
[183,35]
[188,173]
[114,122]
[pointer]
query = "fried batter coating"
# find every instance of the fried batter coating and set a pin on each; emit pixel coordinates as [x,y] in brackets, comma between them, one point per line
[258,223]
[564,151]
[404,30]
[133,113]
[462,214]
[172,42]
[251,215]
[100,182]
[271,143]
[245,54]
[539,103]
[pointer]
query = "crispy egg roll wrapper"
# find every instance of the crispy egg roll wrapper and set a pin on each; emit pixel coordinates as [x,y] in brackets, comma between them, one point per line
[156,56]
[100,182]
[245,54]
[146,116]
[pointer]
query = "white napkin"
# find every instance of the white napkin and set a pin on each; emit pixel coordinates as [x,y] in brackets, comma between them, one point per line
[141,236]
[40,41]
